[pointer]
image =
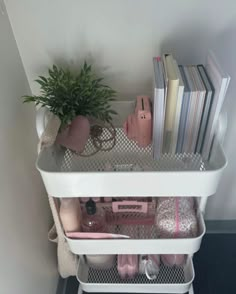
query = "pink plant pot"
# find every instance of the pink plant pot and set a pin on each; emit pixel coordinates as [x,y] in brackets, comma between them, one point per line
[75,135]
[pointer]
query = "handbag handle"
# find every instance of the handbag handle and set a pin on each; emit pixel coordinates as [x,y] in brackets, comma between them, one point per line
[41,120]
[52,234]
[129,206]
[47,126]
[149,276]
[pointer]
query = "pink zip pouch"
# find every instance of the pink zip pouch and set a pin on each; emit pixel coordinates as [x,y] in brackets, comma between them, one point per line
[176,218]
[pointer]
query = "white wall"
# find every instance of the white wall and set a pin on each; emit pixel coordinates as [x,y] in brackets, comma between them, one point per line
[28,263]
[120,38]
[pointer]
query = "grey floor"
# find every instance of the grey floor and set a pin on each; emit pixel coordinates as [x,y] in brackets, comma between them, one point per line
[215,267]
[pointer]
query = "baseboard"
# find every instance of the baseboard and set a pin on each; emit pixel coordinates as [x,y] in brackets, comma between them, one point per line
[221,226]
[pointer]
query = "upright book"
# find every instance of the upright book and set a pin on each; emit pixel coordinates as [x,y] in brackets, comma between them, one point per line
[171,101]
[178,109]
[188,134]
[158,107]
[201,93]
[220,80]
[206,108]
[184,111]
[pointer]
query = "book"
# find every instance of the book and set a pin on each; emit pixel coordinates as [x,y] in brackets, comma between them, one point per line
[165,73]
[188,134]
[206,108]
[171,101]
[178,109]
[201,93]
[184,111]
[220,80]
[158,107]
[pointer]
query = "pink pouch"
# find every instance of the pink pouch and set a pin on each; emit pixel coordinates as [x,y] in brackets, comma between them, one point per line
[176,218]
[127,265]
[173,259]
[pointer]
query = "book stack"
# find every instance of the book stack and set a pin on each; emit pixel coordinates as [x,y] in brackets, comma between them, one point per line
[186,105]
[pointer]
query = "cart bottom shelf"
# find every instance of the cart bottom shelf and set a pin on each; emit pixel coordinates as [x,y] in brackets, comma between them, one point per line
[169,280]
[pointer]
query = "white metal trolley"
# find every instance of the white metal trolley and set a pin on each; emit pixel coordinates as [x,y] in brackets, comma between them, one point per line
[132,172]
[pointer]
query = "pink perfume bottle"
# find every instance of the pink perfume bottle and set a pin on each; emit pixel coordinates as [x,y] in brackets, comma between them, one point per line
[93,218]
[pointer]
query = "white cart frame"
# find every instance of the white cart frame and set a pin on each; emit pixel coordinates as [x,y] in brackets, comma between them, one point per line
[130,171]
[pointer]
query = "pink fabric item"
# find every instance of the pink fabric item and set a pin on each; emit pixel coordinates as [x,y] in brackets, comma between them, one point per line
[176,217]
[91,235]
[122,266]
[173,259]
[75,136]
[127,265]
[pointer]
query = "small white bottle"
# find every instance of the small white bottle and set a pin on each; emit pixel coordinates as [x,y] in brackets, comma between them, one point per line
[70,214]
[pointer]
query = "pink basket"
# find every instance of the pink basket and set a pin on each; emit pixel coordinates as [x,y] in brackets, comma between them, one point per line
[129,212]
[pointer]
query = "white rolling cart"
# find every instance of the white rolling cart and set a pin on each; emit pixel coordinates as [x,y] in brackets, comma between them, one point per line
[128,170]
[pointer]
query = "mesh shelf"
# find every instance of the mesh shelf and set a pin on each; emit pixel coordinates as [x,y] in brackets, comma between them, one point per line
[144,239]
[127,156]
[128,170]
[167,275]
[169,280]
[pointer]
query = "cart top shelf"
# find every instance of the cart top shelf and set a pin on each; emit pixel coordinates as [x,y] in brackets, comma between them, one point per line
[128,170]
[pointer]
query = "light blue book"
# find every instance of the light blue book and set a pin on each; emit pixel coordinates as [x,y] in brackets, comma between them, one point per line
[184,112]
[191,115]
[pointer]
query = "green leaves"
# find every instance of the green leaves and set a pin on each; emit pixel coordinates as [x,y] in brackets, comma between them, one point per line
[67,95]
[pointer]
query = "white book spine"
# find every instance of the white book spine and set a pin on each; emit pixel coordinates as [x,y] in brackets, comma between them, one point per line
[220,82]
[158,122]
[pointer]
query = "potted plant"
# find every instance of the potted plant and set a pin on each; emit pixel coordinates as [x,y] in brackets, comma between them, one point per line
[74,98]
